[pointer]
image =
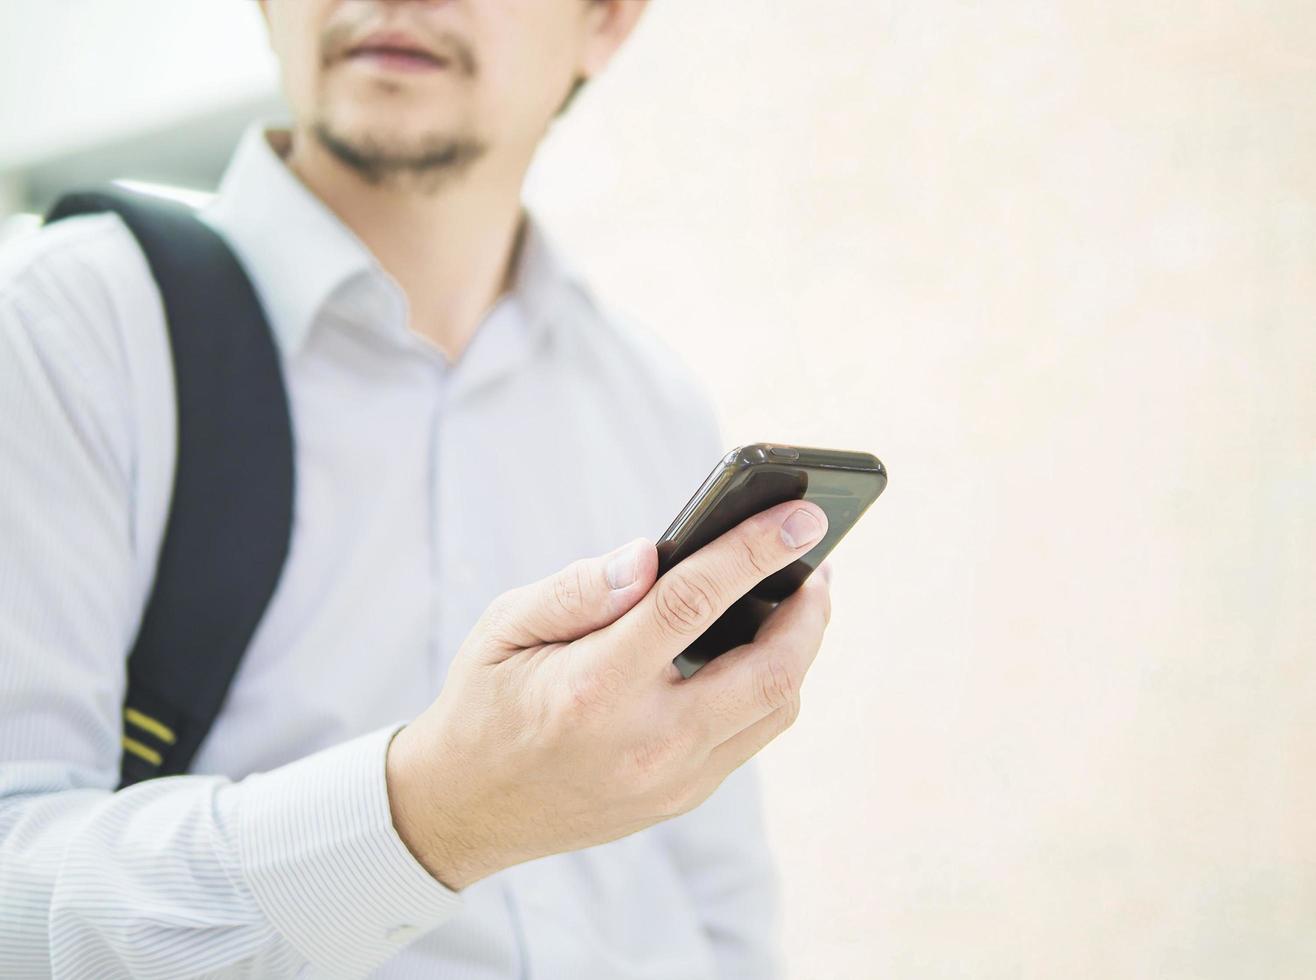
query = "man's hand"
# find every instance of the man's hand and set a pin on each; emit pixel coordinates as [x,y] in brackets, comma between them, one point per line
[563,722]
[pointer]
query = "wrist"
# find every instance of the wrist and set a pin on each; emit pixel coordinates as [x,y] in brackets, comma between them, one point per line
[429,815]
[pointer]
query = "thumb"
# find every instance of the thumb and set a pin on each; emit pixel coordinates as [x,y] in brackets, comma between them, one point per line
[583,597]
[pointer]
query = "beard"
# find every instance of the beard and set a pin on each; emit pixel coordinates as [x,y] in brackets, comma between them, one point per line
[426,164]
[421,162]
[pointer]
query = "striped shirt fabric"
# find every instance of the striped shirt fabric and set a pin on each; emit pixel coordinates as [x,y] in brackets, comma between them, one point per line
[423,489]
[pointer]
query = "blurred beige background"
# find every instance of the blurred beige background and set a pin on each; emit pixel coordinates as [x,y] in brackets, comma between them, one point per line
[1055,263]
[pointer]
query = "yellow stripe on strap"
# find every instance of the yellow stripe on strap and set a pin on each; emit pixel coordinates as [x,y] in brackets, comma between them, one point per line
[162,732]
[143,751]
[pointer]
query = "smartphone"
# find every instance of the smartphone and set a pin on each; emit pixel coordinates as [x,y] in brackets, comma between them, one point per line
[753,478]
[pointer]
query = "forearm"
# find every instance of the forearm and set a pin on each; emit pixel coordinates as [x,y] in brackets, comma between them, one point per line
[199,875]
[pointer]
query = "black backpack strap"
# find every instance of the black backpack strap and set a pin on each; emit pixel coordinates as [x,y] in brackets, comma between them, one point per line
[230,517]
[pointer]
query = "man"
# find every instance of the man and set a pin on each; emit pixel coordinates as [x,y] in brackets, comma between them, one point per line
[424,767]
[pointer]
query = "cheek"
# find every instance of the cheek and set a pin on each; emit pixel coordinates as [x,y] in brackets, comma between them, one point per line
[529,76]
[299,27]
[301,81]
[291,70]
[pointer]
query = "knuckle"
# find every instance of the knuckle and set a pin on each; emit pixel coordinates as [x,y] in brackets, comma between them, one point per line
[596,688]
[777,684]
[497,617]
[790,713]
[609,680]
[676,800]
[569,587]
[683,602]
[754,556]
[647,759]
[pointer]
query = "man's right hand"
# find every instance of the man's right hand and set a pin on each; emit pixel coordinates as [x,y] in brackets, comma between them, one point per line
[563,722]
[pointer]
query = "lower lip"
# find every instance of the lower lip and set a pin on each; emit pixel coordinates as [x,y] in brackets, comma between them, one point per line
[397,61]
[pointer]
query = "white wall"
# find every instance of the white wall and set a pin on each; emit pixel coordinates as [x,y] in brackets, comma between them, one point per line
[1055,262]
[75,72]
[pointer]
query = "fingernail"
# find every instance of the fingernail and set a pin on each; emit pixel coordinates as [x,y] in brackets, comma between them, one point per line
[801,528]
[827,573]
[620,569]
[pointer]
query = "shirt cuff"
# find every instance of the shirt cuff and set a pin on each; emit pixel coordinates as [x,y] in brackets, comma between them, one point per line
[321,856]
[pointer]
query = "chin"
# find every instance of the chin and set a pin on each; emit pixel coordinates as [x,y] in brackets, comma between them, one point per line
[383,130]
[398,147]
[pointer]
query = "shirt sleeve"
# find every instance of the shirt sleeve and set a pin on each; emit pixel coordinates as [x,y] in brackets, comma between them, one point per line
[721,847]
[178,876]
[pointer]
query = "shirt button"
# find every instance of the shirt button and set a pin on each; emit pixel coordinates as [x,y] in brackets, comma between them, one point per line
[402,933]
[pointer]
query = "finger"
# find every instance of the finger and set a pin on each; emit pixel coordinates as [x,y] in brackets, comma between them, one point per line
[819,581]
[742,746]
[741,687]
[685,601]
[584,596]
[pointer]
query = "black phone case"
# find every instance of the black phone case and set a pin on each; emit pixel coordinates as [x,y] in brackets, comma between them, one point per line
[751,479]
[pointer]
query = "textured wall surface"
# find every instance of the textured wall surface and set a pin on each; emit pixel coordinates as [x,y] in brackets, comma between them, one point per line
[1055,262]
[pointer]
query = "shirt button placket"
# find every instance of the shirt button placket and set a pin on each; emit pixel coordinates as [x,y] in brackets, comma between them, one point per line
[438,516]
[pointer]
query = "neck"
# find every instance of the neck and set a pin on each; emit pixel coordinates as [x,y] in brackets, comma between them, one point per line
[452,250]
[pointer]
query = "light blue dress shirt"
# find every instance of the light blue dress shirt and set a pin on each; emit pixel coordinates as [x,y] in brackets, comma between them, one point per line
[423,490]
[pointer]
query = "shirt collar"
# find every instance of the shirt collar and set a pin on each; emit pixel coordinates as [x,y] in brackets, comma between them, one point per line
[298,252]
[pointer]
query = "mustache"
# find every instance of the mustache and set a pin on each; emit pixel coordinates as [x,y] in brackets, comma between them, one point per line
[338,38]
